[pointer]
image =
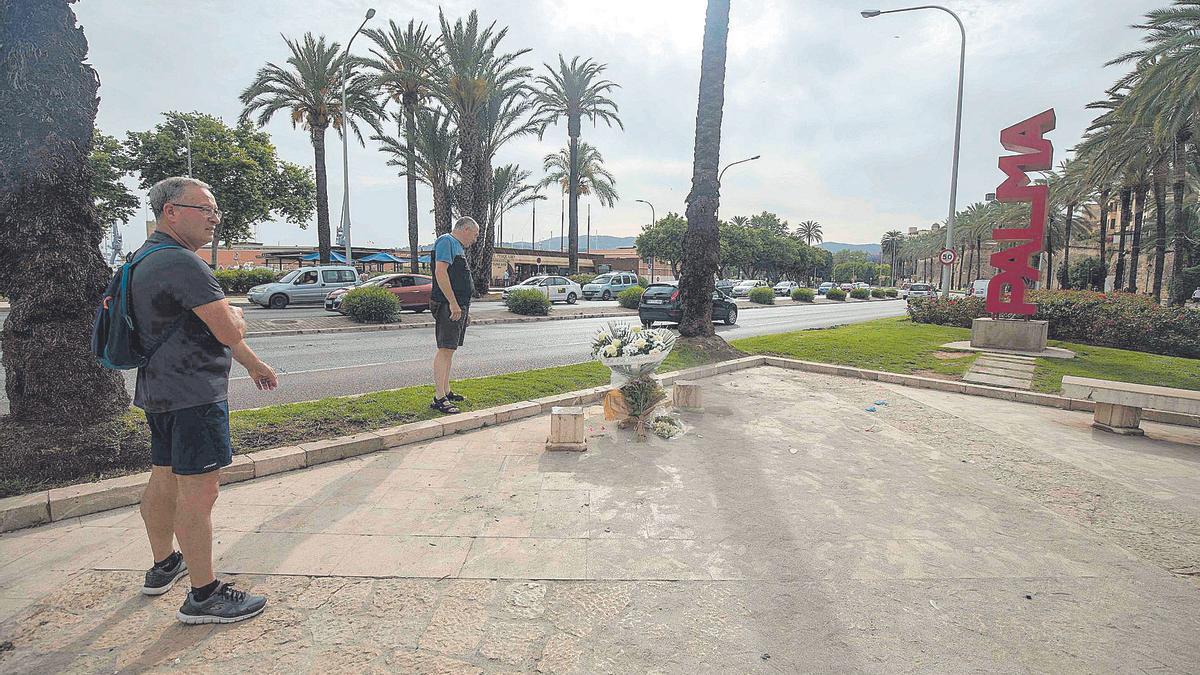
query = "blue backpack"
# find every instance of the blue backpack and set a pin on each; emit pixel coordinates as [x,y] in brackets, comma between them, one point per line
[115,340]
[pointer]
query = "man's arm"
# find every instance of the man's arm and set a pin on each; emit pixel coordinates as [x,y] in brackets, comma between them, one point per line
[227,325]
[263,375]
[441,274]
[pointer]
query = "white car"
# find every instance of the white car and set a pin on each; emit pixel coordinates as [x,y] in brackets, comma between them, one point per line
[921,291]
[978,289]
[785,288]
[556,288]
[861,284]
[743,288]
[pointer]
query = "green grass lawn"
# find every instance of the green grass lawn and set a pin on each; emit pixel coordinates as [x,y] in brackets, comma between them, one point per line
[1106,363]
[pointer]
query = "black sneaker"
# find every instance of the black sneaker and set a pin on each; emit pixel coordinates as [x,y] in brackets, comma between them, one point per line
[159,580]
[225,605]
[455,397]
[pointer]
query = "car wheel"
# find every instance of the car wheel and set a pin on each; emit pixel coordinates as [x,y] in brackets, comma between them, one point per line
[418,310]
[731,317]
[647,323]
[606,296]
[278,301]
[571,298]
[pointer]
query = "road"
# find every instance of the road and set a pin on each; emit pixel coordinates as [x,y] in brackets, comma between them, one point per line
[316,366]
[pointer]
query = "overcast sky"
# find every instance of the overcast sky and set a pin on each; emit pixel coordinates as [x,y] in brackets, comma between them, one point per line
[854,118]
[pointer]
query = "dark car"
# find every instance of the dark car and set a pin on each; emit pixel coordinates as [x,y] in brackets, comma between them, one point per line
[661,302]
[726,286]
[412,290]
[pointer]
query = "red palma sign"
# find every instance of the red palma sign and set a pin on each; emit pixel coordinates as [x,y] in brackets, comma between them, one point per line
[1036,154]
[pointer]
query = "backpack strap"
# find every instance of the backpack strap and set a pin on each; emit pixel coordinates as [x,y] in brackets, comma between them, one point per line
[157,247]
[129,305]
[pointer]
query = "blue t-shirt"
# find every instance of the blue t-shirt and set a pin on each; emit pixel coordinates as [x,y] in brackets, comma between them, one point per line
[450,250]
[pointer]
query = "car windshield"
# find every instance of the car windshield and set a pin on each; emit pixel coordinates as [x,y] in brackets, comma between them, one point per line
[289,277]
[919,287]
[602,279]
[531,281]
[377,281]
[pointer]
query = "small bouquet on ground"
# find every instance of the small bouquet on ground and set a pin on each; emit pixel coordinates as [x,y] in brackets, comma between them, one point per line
[633,354]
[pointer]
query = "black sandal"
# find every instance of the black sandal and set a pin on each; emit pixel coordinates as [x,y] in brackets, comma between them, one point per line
[455,397]
[444,406]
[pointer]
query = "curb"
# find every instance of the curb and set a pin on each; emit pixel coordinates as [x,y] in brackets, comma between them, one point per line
[81,499]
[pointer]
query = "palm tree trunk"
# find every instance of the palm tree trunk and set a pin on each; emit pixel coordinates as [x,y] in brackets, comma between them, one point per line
[701,242]
[978,257]
[1135,247]
[1119,274]
[1064,279]
[1160,228]
[1103,237]
[1050,253]
[318,142]
[53,272]
[410,161]
[1179,294]
[441,209]
[573,195]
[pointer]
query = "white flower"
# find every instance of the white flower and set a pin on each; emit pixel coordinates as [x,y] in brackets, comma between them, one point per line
[655,350]
[612,350]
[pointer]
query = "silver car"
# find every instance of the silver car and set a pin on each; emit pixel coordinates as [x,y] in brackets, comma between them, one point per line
[307,285]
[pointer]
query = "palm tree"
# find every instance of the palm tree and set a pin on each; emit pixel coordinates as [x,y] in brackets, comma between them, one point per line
[701,243]
[591,178]
[311,91]
[572,91]
[740,221]
[890,244]
[404,61]
[53,380]
[435,154]
[809,231]
[510,190]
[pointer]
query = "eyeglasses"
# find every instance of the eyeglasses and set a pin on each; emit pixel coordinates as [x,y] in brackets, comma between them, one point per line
[208,210]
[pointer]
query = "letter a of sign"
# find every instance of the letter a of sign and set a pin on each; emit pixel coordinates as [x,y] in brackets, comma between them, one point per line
[1036,154]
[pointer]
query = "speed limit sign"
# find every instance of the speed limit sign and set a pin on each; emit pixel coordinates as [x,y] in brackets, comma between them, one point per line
[947,256]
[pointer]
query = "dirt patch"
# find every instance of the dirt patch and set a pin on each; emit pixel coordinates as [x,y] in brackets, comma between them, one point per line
[41,457]
[714,348]
[950,356]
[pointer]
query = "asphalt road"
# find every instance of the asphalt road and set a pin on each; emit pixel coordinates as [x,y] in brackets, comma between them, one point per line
[316,366]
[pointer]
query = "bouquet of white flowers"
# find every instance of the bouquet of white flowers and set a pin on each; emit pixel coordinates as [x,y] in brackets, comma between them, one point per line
[631,352]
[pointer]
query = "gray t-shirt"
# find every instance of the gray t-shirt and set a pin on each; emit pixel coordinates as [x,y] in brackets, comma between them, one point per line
[192,367]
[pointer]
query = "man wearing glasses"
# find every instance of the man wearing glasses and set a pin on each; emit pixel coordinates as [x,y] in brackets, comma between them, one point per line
[178,305]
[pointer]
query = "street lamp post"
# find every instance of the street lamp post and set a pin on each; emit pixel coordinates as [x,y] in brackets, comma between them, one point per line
[346,140]
[740,161]
[962,59]
[653,220]
[187,135]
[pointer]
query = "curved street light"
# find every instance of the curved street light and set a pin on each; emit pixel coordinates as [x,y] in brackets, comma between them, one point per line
[346,142]
[653,220]
[740,161]
[962,58]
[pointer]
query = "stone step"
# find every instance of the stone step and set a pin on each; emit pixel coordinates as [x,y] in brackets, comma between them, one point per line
[1001,372]
[1018,358]
[1006,365]
[997,380]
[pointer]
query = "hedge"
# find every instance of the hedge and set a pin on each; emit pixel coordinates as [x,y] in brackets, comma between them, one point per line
[630,298]
[371,304]
[878,293]
[238,282]
[528,301]
[582,279]
[835,294]
[803,295]
[892,293]
[762,296]
[861,294]
[1120,320]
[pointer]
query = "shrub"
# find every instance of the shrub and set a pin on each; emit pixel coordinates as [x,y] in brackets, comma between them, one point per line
[1086,274]
[630,297]
[237,282]
[835,294]
[762,296]
[803,295]
[643,281]
[528,301]
[891,292]
[860,293]
[878,293]
[582,279]
[371,304]
[1120,320]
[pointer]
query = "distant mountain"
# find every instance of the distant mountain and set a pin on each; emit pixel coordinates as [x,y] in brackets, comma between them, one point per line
[835,246]
[599,243]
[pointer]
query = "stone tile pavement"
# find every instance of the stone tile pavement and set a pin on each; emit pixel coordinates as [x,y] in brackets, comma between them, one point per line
[788,530]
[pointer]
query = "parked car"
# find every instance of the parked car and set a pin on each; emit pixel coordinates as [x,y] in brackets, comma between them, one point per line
[861,284]
[921,291]
[726,285]
[412,290]
[824,288]
[661,302]
[847,286]
[307,285]
[785,288]
[1196,295]
[556,288]
[606,286]
[978,289]
[743,288]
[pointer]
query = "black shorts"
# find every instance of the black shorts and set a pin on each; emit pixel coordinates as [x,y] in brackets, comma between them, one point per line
[191,440]
[449,334]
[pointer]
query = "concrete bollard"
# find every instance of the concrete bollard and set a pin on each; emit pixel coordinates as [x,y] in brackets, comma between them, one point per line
[687,397]
[566,429]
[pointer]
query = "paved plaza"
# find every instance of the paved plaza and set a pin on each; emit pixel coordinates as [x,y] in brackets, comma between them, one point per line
[788,530]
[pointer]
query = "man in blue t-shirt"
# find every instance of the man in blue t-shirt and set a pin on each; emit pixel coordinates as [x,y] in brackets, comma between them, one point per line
[449,303]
